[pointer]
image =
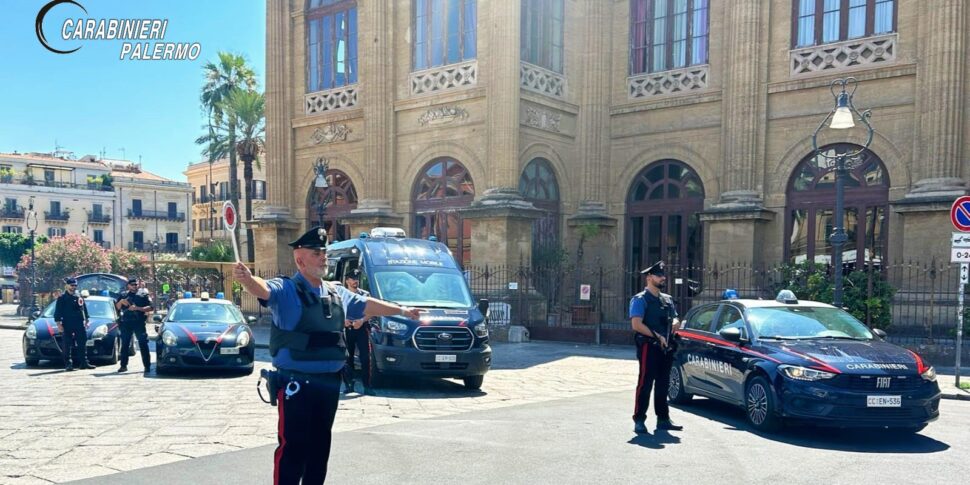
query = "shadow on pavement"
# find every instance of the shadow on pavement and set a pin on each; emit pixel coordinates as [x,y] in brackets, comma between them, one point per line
[866,440]
[656,441]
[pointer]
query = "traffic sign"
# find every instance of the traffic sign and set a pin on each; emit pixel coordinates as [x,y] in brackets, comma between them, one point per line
[229,216]
[960,213]
[584,292]
[960,255]
[959,240]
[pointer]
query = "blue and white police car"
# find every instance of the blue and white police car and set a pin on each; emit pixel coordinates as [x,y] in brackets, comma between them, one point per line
[800,361]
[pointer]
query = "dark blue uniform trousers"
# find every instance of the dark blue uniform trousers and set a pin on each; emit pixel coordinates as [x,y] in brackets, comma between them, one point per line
[358,340]
[305,426]
[138,330]
[74,344]
[654,369]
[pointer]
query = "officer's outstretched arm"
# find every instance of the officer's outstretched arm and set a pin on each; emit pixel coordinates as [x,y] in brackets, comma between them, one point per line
[255,285]
[381,308]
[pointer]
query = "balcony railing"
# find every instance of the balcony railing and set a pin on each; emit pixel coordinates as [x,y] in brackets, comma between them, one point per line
[99,219]
[56,216]
[171,216]
[162,248]
[103,244]
[12,213]
[10,179]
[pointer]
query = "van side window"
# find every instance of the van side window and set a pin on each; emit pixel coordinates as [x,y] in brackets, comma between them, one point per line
[701,320]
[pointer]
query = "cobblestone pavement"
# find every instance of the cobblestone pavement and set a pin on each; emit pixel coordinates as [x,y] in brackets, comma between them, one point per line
[57,426]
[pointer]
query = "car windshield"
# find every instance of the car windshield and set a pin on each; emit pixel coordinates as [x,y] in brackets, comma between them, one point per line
[49,311]
[429,287]
[800,322]
[100,309]
[204,312]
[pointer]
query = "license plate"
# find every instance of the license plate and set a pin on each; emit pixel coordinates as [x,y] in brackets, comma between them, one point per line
[90,343]
[229,350]
[445,358]
[884,401]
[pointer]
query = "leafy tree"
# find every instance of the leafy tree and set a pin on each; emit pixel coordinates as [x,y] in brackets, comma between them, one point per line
[218,251]
[248,107]
[127,263]
[813,281]
[13,246]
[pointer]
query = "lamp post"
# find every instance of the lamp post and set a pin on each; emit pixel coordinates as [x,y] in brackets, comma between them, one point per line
[320,182]
[842,118]
[30,220]
[154,248]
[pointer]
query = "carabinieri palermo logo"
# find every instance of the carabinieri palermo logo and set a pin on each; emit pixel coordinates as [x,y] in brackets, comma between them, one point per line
[151,31]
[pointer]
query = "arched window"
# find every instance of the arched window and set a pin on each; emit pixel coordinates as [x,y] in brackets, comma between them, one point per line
[538,185]
[663,221]
[443,188]
[811,206]
[326,205]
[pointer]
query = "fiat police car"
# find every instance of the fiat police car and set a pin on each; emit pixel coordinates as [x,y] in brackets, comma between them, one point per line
[800,361]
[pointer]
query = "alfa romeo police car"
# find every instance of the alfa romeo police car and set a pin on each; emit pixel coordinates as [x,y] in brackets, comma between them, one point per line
[790,361]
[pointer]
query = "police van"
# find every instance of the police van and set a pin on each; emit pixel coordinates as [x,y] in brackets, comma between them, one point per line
[450,339]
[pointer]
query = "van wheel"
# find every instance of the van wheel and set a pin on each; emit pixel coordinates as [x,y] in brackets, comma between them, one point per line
[760,406]
[376,378]
[115,352]
[473,383]
[676,393]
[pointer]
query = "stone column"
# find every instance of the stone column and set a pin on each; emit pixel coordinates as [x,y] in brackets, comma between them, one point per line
[274,225]
[940,100]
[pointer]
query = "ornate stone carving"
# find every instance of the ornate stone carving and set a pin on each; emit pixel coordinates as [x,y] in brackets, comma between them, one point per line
[331,99]
[542,119]
[444,77]
[332,133]
[667,82]
[443,114]
[841,55]
[542,81]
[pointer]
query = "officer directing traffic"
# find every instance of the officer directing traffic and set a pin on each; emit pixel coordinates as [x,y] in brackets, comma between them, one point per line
[134,305]
[357,333]
[72,317]
[309,352]
[654,319]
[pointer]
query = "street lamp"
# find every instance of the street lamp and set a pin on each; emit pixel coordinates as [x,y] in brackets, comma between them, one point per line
[154,249]
[320,182]
[30,220]
[842,118]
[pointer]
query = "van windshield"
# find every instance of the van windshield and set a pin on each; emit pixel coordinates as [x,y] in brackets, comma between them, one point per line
[429,287]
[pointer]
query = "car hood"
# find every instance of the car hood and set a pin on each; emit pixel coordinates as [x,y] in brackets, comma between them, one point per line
[202,331]
[854,357]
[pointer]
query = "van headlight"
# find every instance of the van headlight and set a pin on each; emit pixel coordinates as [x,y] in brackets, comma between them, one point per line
[395,327]
[242,339]
[100,332]
[481,330]
[32,332]
[804,373]
[929,374]
[169,338]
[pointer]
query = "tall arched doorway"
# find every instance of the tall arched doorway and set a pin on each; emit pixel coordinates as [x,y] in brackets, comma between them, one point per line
[538,185]
[441,190]
[327,205]
[810,208]
[663,221]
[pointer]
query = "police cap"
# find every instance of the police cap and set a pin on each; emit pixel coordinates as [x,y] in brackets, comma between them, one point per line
[353,274]
[132,281]
[70,281]
[656,269]
[315,238]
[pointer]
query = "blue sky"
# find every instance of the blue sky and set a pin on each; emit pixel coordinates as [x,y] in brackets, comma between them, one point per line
[90,100]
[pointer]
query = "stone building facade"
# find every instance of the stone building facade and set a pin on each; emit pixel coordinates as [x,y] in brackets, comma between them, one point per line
[636,129]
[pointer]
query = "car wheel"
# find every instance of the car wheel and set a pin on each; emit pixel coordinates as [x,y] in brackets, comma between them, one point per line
[31,362]
[248,371]
[473,383]
[376,378]
[760,406]
[676,393]
[115,352]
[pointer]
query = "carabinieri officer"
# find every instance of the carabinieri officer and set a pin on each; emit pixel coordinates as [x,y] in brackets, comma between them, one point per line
[308,349]
[654,319]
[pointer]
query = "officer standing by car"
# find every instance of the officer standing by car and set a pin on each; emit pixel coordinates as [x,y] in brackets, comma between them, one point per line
[72,317]
[654,321]
[309,353]
[134,305]
[357,334]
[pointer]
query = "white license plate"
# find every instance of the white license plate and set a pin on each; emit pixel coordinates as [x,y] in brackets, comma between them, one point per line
[445,358]
[229,350]
[884,401]
[90,343]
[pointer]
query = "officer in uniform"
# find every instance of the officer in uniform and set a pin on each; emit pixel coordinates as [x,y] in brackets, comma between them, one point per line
[134,305]
[72,318]
[357,333]
[309,353]
[654,320]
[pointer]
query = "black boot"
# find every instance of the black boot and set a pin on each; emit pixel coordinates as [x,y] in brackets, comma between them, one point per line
[668,425]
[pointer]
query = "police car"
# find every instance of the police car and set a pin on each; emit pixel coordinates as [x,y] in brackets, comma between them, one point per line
[208,333]
[42,340]
[790,361]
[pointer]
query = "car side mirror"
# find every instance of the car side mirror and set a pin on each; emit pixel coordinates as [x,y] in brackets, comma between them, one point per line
[35,315]
[732,334]
[157,318]
[250,319]
[879,332]
[483,306]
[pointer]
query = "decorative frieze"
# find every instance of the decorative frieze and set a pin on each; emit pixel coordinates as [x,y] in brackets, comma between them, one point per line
[542,119]
[667,82]
[443,114]
[332,133]
[444,77]
[841,55]
[331,99]
[542,81]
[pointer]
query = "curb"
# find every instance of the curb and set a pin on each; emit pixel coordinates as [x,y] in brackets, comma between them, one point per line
[10,326]
[956,397]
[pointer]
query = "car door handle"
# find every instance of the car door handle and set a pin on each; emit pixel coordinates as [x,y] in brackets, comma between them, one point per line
[710,344]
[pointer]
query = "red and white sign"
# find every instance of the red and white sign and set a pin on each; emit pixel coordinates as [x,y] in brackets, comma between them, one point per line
[960,213]
[229,216]
[584,292]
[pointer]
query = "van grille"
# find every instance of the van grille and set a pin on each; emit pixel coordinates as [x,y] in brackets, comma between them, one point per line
[452,339]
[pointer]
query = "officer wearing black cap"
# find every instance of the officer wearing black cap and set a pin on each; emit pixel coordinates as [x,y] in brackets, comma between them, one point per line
[72,317]
[309,352]
[654,320]
[357,333]
[134,305]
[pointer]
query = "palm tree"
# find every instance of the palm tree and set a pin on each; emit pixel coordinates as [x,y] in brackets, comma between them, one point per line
[248,110]
[230,73]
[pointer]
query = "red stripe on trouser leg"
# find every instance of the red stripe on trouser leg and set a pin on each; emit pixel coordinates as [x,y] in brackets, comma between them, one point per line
[281,438]
[643,373]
